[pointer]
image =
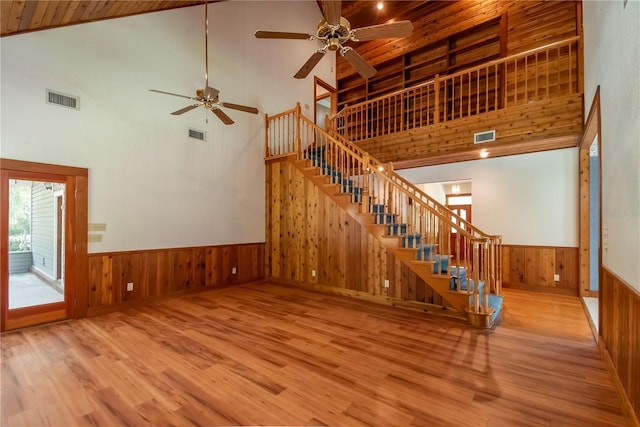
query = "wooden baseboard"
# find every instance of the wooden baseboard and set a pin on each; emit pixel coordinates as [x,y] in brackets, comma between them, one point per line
[593,326]
[629,413]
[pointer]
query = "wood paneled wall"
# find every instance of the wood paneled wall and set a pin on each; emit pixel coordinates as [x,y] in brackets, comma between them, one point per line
[533,268]
[307,231]
[552,124]
[620,332]
[529,24]
[156,273]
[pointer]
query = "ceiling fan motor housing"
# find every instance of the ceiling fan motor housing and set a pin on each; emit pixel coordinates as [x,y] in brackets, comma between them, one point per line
[334,34]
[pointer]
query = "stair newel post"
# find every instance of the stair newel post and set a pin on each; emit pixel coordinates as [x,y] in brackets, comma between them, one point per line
[266,136]
[364,206]
[487,276]
[298,113]
[392,206]
[476,277]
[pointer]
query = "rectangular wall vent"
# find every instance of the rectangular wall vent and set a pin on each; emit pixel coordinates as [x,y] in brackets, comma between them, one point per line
[65,100]
[197,134]
[482,137]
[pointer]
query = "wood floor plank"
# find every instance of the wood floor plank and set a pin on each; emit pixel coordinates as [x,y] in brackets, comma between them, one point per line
[267,354]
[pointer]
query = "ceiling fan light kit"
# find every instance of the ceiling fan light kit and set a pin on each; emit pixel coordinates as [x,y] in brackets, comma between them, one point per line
[334,30]
[208,97]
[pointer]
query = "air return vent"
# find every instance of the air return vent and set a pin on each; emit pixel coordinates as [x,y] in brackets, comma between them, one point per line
[482,137]
[196,134]
[62,99]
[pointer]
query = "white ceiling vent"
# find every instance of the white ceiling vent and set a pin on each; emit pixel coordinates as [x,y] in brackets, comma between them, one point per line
[197,134]
[482,137]
[63,99]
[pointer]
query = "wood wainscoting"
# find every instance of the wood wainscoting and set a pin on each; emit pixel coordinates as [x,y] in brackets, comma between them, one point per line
[620,334]
[533,268]
[161,272]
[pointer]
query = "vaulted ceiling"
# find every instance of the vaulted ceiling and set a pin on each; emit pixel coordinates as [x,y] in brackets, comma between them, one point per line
[21,16]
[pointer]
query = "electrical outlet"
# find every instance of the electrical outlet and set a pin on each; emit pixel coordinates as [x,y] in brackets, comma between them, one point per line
[556,277]
[129,286]
[313,273]
[233,270]
[386,283]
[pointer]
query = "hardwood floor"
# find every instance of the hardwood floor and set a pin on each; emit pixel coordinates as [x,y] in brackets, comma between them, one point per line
[265,354]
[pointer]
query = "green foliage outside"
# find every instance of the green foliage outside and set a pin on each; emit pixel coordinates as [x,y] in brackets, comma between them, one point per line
[19,218]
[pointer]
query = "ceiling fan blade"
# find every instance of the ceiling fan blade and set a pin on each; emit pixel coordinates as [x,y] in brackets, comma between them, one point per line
[308,66]
[332,10]
[222,116]
[169,93]
[383,31]
[358,62]
[185,109]
[282,35]
[240,107]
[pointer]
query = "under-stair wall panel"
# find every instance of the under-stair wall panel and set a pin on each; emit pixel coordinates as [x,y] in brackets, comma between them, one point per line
[308,231]
[160,272]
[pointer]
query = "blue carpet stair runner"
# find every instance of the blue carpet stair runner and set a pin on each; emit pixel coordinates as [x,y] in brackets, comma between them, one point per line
[424,252]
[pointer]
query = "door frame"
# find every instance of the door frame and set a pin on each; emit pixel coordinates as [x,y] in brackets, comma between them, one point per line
[75,258]
[591,130]
[332,94]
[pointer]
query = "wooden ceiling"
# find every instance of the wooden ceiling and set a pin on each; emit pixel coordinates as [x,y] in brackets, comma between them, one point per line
[21,16]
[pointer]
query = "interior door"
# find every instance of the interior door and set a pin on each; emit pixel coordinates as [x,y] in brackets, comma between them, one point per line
[457,241]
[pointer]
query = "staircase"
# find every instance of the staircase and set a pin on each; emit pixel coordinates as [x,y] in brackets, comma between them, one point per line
[441,248]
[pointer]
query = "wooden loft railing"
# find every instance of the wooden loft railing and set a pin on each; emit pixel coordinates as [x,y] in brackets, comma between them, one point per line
[538,74]
[376,187]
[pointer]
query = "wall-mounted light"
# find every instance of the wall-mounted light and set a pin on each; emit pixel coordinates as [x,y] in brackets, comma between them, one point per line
[455,189]
[484,154]
[380,5]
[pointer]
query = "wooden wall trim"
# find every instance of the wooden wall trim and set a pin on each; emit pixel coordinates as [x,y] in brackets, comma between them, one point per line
[591,130]
[76,180]
[620,338]
[20,165]
[139,251]
[532,268]
[156,273]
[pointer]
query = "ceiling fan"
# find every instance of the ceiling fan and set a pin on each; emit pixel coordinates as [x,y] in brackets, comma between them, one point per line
[334,31]
[208,97]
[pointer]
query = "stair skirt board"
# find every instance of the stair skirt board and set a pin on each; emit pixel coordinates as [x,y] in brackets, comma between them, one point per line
[424,252]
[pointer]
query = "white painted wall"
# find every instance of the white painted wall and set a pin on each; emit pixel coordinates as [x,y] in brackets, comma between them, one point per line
[434,190]
[152,185]
[529,199]
[612,61]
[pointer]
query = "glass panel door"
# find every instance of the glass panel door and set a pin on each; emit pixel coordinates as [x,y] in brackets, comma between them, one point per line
[36,243]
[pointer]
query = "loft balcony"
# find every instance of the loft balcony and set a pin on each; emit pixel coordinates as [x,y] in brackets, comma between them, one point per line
[532,100]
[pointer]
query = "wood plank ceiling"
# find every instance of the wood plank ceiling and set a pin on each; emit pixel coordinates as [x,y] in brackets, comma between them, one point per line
[21,16]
